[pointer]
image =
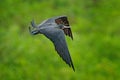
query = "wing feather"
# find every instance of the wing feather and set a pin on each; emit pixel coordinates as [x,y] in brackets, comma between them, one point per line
[58,39]
[63,20]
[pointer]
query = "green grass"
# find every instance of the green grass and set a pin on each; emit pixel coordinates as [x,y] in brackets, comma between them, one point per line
[95,50]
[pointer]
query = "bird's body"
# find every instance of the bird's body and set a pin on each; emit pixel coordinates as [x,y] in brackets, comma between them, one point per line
[54,31]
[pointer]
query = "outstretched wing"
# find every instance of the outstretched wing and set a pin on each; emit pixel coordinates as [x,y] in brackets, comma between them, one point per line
[58,38]
[63,20]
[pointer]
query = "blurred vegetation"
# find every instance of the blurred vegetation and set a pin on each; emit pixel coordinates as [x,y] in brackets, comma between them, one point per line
[95,49]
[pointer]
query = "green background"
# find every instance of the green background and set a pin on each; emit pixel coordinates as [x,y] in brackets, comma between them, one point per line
[95,50]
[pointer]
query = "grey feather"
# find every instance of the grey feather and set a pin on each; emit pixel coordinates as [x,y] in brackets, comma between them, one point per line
[55,33]
[58,39]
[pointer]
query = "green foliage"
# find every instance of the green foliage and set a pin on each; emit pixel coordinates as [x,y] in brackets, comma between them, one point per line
[95,50]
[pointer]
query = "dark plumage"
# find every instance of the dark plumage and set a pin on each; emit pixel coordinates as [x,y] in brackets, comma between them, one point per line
[54,29]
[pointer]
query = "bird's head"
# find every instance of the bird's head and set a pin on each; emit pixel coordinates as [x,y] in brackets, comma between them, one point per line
[34,28]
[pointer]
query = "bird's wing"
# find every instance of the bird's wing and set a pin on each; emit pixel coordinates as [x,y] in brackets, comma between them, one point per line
[58,38]
[63,20]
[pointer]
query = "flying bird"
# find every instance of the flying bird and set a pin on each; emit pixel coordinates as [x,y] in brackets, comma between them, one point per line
[54,29]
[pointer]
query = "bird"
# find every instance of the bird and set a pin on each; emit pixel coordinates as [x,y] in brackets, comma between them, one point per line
[55,29]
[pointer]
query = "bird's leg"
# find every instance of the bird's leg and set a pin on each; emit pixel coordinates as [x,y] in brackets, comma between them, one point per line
[33,32]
